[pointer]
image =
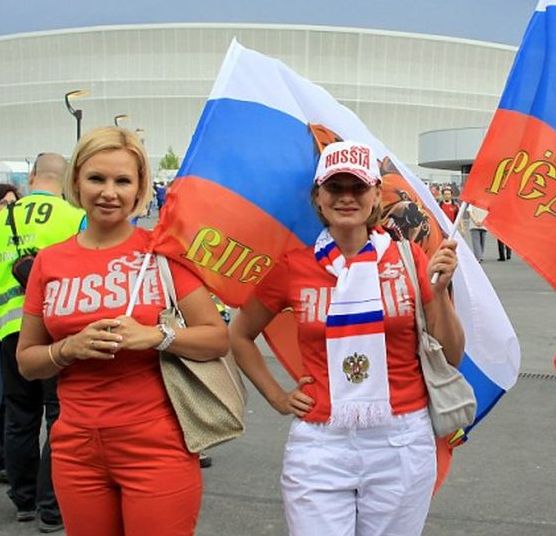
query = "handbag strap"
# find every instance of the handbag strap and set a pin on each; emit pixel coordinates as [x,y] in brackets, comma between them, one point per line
[168,287]
[11,222]
[406,255]
[167,281]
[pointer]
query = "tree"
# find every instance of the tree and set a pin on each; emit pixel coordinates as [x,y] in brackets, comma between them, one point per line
[169,160]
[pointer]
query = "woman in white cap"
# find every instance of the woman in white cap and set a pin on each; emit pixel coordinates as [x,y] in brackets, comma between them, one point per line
[360,457]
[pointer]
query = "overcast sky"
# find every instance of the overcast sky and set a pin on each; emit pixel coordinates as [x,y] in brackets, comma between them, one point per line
[501,21]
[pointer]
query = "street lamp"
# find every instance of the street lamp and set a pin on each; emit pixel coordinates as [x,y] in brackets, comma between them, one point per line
[78,114]
[140,134]
[118,117]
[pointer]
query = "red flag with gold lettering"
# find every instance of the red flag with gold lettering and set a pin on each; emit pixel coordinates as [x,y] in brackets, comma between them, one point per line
[514,174]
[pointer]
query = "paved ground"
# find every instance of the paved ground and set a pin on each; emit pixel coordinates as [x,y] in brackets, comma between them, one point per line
[503,479]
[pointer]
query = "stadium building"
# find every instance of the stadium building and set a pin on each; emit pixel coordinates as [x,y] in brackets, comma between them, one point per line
[158,76]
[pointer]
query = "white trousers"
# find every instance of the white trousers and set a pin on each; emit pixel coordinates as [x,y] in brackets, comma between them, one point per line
[372,482]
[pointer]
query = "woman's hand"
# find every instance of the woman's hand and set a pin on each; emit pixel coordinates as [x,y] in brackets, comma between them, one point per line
[444,261]
[97,341]
[295,401]
[442,320]
[136,336]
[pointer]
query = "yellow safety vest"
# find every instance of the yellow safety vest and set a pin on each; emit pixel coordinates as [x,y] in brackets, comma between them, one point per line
[41,219]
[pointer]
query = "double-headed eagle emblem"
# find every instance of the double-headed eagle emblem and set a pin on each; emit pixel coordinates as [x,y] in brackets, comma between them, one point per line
[356,367]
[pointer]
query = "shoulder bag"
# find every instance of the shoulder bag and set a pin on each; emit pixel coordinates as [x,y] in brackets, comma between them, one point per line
[452,403]
[208,396]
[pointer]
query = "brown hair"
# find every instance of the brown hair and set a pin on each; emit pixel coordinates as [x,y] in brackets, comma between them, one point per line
[5,189]
[110,139]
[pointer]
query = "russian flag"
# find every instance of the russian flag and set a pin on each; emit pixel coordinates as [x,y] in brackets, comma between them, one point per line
[242,198]
[514,174]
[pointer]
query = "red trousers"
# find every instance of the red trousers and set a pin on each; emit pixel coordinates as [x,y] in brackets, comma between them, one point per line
[136,480]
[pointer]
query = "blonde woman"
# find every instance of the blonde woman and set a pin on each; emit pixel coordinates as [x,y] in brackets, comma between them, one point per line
[120,465]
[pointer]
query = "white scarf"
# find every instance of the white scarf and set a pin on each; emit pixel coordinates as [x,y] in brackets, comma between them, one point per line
[355,340]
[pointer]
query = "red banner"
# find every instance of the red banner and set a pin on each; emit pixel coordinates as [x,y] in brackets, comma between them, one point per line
[514,178]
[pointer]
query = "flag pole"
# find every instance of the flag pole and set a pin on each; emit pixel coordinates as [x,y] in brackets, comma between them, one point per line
[462,209]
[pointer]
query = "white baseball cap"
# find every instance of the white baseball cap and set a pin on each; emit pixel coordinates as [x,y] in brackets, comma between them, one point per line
[351,157]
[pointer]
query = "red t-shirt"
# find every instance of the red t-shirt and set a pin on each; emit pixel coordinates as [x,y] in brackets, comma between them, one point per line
[71,286]
[299,282]
[450,209]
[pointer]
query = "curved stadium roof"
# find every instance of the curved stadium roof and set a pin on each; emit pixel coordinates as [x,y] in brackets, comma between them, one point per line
[469,19]
[388,60]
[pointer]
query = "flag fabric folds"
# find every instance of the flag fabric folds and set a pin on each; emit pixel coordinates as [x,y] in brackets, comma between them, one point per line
[242,198]
[514,174]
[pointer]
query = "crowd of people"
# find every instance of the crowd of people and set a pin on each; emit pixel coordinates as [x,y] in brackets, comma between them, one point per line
[360,458]
[446,196]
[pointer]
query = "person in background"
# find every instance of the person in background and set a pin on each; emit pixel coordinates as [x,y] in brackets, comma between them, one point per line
[360,457]
[504,252]
[435,191]
[41,218]
[477,230]
[8,194]
[120,465]
[160,190]
[448,204]
[152,202]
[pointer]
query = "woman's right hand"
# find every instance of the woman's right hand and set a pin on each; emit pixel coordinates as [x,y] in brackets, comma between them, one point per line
[295,401]
[96,341]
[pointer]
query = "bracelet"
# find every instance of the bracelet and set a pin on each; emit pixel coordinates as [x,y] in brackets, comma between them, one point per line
[54,362]
[61,358]
[60,362]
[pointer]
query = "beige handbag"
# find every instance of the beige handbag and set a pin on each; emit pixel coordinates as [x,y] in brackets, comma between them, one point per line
[452,402]
[208,396]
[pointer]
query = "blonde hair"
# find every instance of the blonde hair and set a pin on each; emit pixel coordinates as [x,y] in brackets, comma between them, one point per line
[109,139]
[374,219]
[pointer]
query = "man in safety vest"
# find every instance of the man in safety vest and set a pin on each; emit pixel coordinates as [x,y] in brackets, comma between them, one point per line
[34,222]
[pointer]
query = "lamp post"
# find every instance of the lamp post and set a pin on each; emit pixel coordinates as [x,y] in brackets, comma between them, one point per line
[78,114]
[118,117]
[140,134]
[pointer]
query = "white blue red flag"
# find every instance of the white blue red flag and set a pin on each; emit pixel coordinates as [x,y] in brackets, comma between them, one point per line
[242,197]
[514,174]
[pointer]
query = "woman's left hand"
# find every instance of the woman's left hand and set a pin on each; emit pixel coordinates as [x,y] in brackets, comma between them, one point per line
[136,336]
[444,261]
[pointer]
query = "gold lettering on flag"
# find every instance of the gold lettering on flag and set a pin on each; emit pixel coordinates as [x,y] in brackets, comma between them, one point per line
[213,250]
[534,179]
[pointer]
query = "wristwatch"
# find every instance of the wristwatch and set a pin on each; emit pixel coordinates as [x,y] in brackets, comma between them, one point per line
[169,336]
